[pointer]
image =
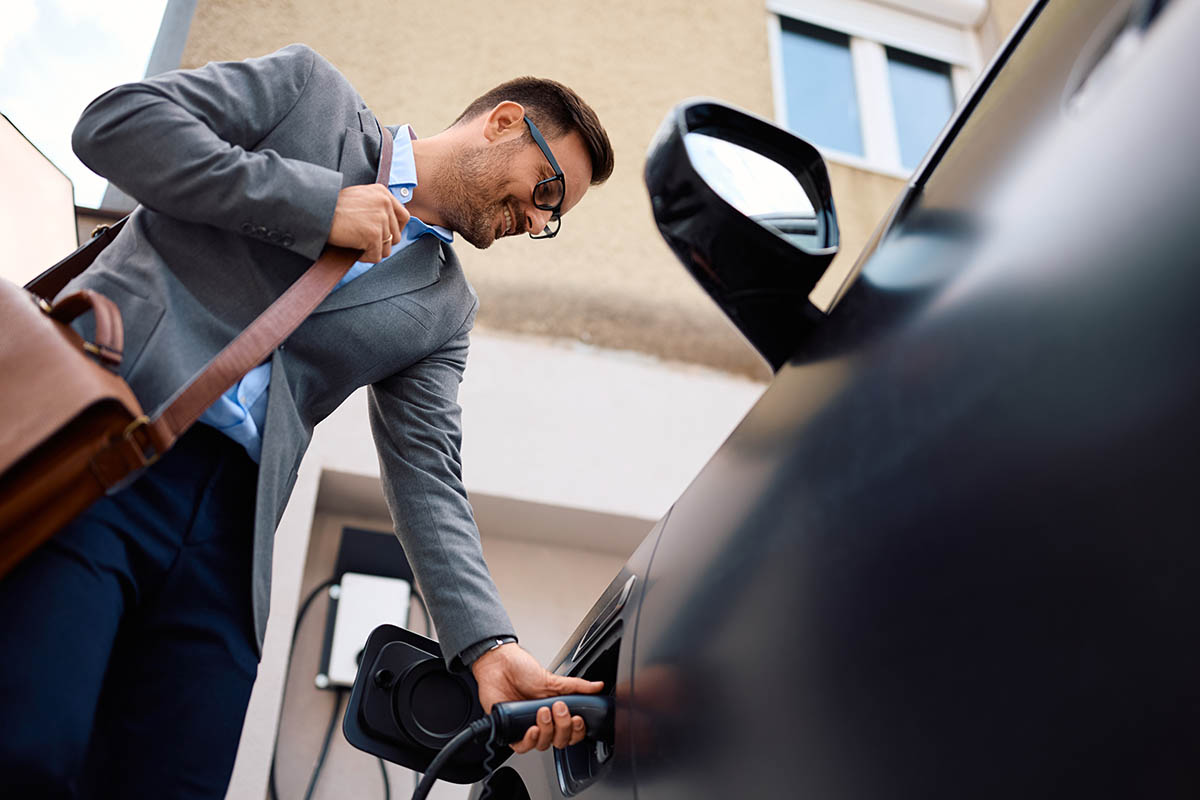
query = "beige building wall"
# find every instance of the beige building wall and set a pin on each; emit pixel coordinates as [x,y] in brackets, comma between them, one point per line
[37,208]
[607,279]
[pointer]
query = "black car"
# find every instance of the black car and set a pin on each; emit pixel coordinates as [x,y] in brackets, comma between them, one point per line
[954,550]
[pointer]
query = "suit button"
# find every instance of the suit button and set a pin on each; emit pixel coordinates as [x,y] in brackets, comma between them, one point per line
[247,227]
[287,240]
[273,236]
[261,230]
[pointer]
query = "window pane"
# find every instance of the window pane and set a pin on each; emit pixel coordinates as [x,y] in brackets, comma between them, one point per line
[822,105]
[923,99]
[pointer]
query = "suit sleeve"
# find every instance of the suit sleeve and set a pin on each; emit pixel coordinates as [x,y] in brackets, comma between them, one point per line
[182,143]
[416,421]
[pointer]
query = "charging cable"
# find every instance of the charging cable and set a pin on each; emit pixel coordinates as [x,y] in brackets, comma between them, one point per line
[508,723]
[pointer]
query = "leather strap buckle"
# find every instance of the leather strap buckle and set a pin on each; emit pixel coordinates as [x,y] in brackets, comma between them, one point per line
[108,357]
[143,443]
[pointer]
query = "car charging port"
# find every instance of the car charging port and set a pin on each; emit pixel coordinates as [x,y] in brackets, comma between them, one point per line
[580,765]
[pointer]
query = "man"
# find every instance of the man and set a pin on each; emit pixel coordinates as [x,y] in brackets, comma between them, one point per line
[132,637]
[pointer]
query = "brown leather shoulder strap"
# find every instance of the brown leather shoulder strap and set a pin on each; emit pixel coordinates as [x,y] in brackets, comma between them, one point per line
[264,334]
[52,281]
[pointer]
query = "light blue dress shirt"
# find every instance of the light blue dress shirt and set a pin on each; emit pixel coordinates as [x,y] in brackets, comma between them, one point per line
[241,411]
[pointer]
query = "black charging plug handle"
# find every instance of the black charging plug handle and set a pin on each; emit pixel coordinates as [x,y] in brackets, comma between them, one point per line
[511,720]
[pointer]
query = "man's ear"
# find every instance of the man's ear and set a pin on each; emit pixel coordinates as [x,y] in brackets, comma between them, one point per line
[504,120]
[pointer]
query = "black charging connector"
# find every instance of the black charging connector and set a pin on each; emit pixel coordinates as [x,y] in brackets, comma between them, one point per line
[509,722]
[408,708]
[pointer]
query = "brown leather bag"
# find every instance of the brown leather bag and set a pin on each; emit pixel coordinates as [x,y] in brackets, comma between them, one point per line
[72,429]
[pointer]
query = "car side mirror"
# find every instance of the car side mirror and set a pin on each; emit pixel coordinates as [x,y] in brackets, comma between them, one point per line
[747,207]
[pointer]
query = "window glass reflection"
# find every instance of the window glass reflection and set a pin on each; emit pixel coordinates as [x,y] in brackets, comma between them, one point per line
[822,104]
[922,98]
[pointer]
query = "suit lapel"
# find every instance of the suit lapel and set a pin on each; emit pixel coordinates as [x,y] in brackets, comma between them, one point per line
[412,268]
[359,160]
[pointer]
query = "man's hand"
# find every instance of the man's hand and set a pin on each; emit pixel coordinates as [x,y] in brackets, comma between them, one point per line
[368,218]
[510,673]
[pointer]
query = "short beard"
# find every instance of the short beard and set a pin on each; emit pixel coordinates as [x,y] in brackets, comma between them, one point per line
[472,188]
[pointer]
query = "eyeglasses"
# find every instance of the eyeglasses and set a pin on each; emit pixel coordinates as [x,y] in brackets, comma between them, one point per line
[548,194]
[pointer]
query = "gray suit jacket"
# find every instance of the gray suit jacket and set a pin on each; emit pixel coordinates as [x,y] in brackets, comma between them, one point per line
[237,167]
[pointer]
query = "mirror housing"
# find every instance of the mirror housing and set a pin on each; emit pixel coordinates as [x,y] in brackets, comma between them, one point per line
[760,278]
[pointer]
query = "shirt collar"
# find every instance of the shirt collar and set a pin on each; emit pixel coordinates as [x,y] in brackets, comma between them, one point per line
[404,173]
[404,168]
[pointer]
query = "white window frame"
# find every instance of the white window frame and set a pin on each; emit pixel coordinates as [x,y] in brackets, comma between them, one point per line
[944,33]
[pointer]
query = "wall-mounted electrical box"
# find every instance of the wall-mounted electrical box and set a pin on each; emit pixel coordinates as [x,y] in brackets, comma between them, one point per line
[374,587]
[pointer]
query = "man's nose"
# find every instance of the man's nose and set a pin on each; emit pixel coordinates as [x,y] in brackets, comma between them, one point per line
[537,219]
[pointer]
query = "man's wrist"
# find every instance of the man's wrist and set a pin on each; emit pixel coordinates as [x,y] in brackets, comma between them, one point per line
[472,654]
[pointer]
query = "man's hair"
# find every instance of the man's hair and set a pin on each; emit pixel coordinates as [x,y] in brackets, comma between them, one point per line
[557,111]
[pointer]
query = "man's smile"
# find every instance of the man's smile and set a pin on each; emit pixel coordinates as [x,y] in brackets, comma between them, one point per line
[508,220]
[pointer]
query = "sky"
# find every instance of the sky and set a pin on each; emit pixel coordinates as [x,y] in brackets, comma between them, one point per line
[56,56]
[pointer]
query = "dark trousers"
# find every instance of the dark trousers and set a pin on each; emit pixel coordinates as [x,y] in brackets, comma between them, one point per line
[127,646]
